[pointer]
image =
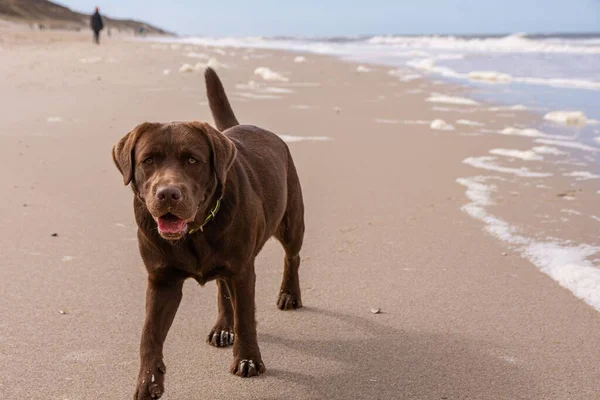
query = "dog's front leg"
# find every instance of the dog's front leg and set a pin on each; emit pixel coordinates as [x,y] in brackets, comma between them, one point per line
[163,296]
[247,360]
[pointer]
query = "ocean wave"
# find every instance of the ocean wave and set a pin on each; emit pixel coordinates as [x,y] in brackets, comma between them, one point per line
[516,43]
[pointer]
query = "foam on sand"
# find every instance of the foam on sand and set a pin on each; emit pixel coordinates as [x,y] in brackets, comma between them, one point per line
[258,96]
[568,144]
[469,123]
[300,59]
[386,121]
[515,107]
[293,139]
[489,76]
[202,56]
[528,155]
[258,87]
[442,98]
[549,150]
[362,68]
[441,125]
[522,132]
[567,264]
[582,175]
[574,118]
[487,162]
[269,75]
[302,107]
[187,68]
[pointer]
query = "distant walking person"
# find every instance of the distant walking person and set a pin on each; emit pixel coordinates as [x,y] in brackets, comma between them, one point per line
[97,25]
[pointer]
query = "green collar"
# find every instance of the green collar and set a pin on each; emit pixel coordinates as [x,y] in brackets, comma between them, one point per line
[210,217]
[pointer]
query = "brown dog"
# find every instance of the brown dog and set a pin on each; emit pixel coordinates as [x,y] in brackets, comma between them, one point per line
[205,204]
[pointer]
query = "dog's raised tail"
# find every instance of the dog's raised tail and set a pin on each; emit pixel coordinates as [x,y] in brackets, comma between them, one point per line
[218,102]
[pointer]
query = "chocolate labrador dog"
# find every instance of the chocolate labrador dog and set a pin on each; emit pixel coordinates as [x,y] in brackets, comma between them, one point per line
[206,201]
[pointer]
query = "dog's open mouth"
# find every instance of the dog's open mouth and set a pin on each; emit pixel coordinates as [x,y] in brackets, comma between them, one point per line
[171,225]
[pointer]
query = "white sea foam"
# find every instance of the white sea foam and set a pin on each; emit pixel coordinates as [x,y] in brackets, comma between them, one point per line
[523,155]
[575,118]
[362,68]
[442,98]
[488,163]
[441,125]
[548,150]
[469,122]
[581,175]
[490,76]
[568,144]
[567,264]
[269,75]
[300,59]
[292,139]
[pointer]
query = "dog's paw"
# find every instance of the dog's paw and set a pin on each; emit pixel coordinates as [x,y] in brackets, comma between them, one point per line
[288,301]
[151,383]
[247,368]
[221,336]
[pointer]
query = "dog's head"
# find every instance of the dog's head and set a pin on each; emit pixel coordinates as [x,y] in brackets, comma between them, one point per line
[176,170]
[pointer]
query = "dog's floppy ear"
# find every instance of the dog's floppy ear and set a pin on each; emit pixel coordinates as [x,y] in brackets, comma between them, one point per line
[123,151]
[223,151]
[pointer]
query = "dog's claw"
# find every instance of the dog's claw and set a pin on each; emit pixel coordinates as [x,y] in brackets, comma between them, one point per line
[248,368]
[288,301]
[221,338]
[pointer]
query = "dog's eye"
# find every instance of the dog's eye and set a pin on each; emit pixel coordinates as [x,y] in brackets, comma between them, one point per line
[192,160]
[148,160]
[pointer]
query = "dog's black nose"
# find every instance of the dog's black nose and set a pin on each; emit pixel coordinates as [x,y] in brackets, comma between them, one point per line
[168,193]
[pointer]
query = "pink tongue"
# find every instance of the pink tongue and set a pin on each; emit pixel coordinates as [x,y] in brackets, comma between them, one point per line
[171,226]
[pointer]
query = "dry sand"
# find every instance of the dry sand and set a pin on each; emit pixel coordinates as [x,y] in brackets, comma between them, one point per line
[459,319]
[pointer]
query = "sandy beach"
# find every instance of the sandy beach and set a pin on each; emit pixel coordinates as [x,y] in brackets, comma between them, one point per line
[463,314]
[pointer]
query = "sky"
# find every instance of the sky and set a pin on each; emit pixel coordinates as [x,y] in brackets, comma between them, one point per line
[337,17]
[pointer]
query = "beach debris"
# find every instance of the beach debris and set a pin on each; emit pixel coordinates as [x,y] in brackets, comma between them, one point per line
[166,71]
[362,68]
[269,75]
[504,253]
[54,235]
[567,194]
[441,125]
[300,59]
[54,119]
[67,258]
[375,310]
[62,312]
[337,109]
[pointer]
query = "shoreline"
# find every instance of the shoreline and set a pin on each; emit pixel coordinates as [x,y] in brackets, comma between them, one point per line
[463,316]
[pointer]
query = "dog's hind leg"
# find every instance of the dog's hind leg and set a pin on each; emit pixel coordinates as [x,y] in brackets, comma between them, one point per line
[291,235]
